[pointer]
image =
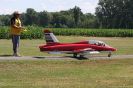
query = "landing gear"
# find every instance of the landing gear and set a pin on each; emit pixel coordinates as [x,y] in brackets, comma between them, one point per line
[110,54]
[75,55]
[81,56]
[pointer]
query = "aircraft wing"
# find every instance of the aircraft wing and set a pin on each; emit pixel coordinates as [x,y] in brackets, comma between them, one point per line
[83,50]
[87,50]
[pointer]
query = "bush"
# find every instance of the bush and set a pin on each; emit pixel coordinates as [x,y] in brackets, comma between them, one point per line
[35,32]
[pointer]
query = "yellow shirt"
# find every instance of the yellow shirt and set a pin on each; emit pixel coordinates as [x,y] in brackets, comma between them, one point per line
[16,31]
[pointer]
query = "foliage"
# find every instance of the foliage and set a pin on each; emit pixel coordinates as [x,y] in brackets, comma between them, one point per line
[35,32]
[30,17]
[95,32]
[109,14]
[115,13]
[4,20]
[77,14]
[4,32]
[64,19]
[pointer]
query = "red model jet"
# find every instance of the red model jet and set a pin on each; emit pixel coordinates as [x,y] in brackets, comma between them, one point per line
[79,48]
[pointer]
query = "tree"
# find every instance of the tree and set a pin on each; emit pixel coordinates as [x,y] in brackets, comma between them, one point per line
[88,20]
[64,19]
[77,14]
[115,13]
[59,20]
[31,16]
[23,19]
[5,20]
[44,19]
[68,18]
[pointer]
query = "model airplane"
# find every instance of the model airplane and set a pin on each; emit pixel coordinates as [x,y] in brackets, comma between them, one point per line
[77,49]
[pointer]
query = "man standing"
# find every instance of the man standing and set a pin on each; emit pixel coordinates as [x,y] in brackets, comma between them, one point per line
[16,29]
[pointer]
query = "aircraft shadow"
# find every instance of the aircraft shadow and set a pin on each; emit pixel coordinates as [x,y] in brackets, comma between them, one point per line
[39,57]
[78,58]
[5,55]
[60,57]
[50,57]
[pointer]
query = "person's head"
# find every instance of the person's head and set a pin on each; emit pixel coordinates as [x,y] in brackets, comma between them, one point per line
[16,14]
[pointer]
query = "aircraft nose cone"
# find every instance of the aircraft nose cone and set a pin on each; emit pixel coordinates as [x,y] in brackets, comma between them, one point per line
[113,49]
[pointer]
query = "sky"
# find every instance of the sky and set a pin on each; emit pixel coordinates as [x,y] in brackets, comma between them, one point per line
[9,6]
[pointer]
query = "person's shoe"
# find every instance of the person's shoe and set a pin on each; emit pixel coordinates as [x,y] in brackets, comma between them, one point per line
[16,55]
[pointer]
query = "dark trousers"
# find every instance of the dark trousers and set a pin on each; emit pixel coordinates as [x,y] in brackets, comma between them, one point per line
[15,42]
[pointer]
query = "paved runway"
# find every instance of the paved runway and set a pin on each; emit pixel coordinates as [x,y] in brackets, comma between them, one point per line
[6,57]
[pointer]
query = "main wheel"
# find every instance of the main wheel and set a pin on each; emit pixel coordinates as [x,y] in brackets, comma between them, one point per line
[81,56]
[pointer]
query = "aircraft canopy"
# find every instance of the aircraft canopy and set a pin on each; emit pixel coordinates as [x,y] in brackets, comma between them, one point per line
[96,42]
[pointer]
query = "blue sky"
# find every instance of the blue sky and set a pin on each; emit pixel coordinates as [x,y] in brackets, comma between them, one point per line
[9,6]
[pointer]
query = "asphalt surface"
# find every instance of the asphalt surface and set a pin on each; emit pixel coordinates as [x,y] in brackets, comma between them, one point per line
[6,57]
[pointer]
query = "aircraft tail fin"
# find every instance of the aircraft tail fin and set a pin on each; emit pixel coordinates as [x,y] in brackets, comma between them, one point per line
[50,37]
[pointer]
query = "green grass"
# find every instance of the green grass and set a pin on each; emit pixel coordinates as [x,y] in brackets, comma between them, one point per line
[30,47]
[67,74]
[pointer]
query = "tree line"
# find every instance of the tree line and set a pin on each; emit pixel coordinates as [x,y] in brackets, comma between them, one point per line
[72,18]
[108,14]
[115,14]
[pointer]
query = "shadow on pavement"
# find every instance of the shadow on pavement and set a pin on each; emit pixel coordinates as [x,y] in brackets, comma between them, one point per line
[39,57]
[5,55]
[78,58]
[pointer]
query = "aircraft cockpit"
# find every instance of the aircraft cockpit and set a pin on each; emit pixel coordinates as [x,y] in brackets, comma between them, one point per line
[98,43]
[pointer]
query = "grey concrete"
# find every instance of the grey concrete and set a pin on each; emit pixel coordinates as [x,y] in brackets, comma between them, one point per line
[95,57]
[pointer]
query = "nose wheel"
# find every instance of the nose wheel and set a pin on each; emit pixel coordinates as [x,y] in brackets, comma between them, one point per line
[75,55]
